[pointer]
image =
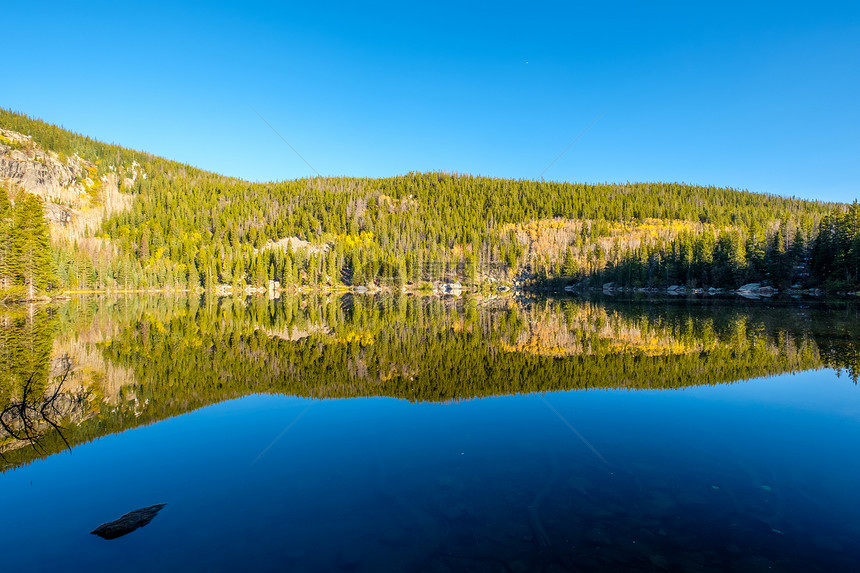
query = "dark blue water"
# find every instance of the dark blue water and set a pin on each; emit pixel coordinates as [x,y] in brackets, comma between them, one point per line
[753,476]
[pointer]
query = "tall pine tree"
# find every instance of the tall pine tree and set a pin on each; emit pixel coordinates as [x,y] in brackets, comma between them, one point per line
[31,245]
[8,268]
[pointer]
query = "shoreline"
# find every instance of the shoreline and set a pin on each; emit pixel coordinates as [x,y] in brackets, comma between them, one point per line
[666,294]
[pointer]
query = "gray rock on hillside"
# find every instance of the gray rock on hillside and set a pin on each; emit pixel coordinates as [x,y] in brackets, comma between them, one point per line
[33,169]
[76,198]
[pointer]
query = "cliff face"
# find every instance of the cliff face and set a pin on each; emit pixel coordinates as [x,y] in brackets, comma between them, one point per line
[60,181]
[76,198]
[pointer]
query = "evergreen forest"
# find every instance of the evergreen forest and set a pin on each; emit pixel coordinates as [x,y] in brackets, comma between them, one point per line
[185,228]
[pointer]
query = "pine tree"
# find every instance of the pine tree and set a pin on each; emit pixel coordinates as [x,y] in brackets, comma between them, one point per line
[7,260]
[778,262]
[569,266]
[289,273]
[31,245]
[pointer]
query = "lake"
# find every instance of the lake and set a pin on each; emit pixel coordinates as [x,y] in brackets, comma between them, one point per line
[409,433]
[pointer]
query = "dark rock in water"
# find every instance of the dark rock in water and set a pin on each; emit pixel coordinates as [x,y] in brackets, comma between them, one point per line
[128,522]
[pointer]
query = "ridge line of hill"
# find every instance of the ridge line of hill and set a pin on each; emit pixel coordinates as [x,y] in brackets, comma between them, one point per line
[124,219]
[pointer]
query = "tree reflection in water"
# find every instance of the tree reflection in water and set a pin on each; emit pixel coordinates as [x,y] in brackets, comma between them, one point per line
[138,360]
[27,419]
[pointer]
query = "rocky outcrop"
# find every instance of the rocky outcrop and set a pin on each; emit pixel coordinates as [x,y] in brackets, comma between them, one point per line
[27,166]
[76,197]
[755,290]
[58,214]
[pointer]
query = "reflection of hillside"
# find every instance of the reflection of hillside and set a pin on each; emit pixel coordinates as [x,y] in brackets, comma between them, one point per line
[291,334]
[137,361]
[589,329]
[54,370]
[26,418]
[78,385]
[90,374]
[426,349]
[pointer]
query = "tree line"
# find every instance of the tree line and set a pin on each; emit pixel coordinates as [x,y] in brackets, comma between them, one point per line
[25,247]
[190,228]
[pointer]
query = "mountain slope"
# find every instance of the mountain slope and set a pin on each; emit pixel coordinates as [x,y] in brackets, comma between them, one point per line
[181,226]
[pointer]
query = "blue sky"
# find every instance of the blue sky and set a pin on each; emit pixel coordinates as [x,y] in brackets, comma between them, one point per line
[760,96]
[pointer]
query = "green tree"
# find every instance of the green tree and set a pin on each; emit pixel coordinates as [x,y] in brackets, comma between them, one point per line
[7,260]
[569,266]
[31,245]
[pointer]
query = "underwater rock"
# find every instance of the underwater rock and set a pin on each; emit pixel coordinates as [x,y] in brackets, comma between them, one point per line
[128,522]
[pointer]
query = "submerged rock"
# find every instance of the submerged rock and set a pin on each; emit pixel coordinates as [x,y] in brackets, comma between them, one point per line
[128,522]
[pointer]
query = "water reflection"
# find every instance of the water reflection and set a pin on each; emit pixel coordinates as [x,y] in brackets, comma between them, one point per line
[92,367]
[419,476]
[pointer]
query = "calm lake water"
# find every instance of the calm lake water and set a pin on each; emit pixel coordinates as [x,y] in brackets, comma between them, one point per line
[418,434]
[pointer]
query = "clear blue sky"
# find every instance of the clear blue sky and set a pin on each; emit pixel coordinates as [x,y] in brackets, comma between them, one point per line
[754,95]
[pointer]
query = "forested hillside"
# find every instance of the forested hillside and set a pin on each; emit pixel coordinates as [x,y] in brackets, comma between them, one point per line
[183,227]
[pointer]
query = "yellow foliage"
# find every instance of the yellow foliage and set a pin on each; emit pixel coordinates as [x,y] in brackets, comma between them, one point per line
[363,239]
[362,338]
